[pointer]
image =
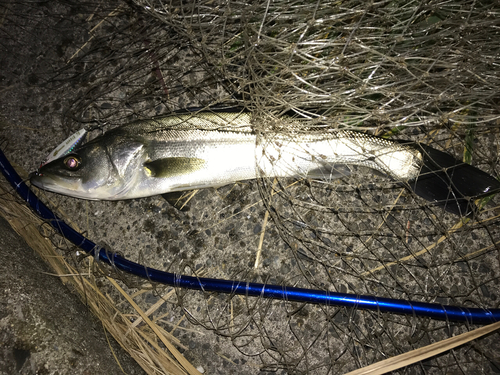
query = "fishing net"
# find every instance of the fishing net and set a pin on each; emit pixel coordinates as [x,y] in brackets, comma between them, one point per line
[423,71]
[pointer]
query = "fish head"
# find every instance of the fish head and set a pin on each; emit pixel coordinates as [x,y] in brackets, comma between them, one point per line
[102,169]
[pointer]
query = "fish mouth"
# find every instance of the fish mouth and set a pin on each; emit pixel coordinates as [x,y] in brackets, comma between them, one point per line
[56,185]
[42,181]
[39,180]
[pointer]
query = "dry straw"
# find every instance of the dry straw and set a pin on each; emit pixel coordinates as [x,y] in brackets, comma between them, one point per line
[143,341]
[153,348]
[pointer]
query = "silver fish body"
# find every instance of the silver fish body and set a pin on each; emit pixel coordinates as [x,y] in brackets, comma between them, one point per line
[206,149]
[211,149]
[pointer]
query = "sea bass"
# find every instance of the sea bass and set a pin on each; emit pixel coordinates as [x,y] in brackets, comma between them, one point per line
[211,149]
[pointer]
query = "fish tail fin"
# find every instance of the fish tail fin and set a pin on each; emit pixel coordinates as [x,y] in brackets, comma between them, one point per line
[450,183]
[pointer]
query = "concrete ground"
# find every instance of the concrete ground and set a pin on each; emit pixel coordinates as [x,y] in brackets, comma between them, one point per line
[44,328]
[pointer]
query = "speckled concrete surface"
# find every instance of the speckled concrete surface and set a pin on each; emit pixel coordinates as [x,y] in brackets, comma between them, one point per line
[44,328]
[320,235]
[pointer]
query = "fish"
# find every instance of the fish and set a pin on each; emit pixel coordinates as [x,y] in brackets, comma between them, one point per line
[194,150]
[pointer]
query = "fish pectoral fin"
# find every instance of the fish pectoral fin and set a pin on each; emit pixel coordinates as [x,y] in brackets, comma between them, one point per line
[173,166]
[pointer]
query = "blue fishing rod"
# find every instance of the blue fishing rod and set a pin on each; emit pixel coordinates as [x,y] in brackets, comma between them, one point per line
[280,292]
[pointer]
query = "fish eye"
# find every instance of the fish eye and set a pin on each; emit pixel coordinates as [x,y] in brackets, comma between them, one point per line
[72,162]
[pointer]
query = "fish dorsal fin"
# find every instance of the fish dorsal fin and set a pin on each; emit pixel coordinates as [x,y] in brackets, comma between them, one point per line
[173,166]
